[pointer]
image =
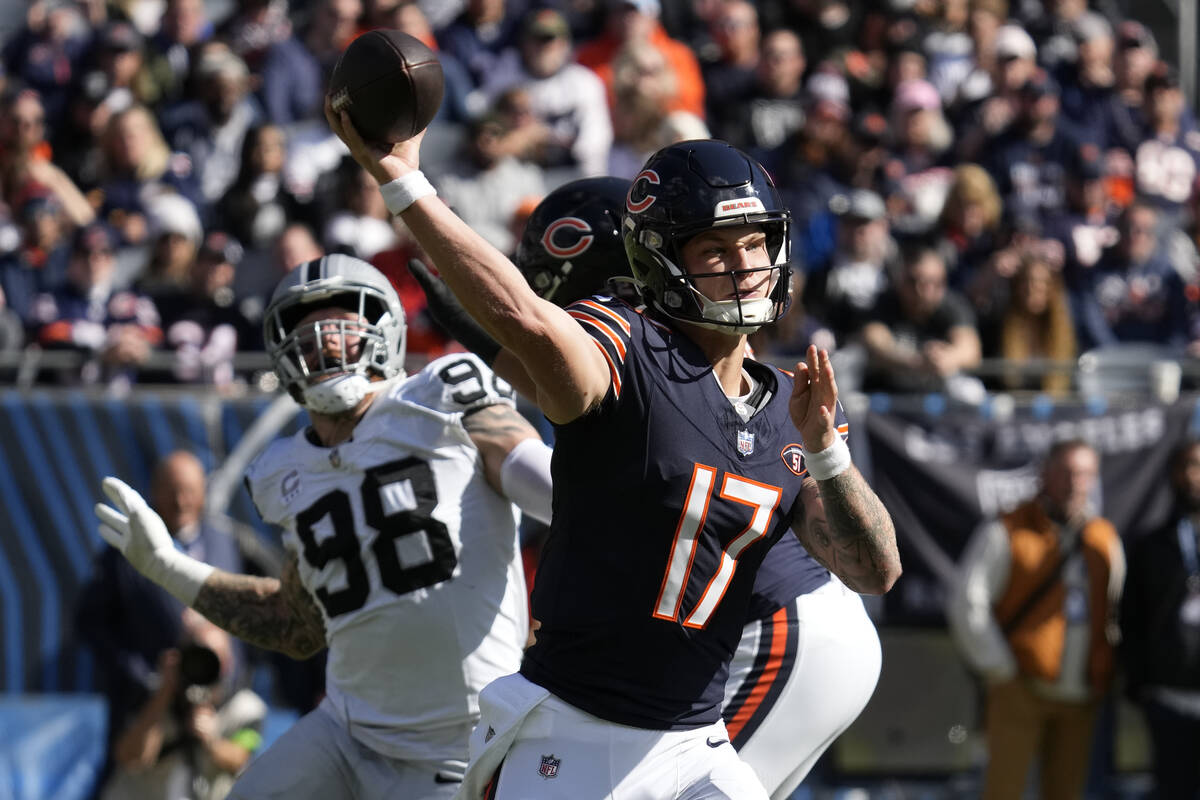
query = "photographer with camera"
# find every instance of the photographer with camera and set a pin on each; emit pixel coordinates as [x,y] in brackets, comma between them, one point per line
[126,620]
[192,737]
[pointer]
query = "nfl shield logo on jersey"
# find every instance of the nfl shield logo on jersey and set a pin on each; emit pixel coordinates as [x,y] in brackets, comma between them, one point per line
[549,766]
[745,443]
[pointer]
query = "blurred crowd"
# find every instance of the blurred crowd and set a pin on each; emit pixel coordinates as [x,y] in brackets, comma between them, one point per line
[970,179]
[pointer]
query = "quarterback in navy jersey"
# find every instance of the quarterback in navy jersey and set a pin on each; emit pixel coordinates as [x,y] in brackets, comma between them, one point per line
[655,534]
[808,658]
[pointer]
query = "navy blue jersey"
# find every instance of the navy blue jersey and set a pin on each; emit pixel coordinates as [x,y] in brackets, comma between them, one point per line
[789,571]
[665,503]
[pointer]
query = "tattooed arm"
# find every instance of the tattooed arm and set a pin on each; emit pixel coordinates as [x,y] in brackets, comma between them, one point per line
[496,430]
[843,525]
[275,614]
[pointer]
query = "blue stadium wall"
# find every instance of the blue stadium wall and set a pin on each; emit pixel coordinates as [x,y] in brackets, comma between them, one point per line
[55,447]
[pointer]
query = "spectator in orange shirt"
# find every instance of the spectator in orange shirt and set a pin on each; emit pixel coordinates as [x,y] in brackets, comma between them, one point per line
[638,19]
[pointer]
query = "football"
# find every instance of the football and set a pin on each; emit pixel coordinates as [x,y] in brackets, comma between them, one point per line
[390,83]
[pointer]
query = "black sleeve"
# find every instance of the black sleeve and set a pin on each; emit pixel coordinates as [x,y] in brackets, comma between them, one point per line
[449,313]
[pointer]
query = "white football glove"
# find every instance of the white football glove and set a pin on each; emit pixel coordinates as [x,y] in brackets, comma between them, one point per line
[142,537]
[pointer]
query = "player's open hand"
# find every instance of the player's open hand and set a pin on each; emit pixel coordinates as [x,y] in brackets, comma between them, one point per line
[134,528]
[385,164]
[814,399]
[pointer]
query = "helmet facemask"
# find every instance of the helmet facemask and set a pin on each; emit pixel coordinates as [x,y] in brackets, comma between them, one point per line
[684,190]
[330,364]
[672,289]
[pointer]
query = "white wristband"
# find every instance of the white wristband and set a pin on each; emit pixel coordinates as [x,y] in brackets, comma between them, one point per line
[181,575]
[830,462]
[406,190]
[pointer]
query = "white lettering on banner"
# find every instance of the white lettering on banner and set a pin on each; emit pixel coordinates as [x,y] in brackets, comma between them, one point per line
[1019,441]
[1115,433]
[1003,490]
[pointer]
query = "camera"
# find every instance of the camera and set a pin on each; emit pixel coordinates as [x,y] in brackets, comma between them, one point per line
[199,674]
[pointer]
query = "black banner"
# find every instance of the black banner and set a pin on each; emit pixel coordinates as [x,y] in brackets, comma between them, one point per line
[941,474]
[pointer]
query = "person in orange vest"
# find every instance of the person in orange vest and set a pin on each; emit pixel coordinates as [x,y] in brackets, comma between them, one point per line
[1033,610]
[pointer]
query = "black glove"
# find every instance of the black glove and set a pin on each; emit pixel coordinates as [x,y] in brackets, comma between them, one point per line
[449,313]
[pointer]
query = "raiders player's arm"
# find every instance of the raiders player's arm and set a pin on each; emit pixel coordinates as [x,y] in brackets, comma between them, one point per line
[843,525]
[496,430]
[275,614]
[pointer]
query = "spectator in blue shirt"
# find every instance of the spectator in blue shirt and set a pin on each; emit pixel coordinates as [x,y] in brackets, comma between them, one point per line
[1133,294]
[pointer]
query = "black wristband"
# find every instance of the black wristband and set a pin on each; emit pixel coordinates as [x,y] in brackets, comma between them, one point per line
[449,313]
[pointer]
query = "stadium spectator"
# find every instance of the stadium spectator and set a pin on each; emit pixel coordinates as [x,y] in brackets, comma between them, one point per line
[134,164]
[174,235]
[827,28]
[948,48]
[862,266]
[816,163]
[1167,157]
[39,263]
[984,22]
[1084,227]
[295,69]
[1026,158]
[1133,293]
[566,98]
[461,100]
[1160,632]
[921,335]
[361,226]
[487,184]
[772,108]
[728,79]
[114,329]
[259,204]
[47,55]
[195,732]
[260,271]
[129,623]
[1032,610]
[992,101]
[1055,27]
[642,122]
[484,30]
[1089,98]
[917,177]
[210,128]
[968,228]
[1035,324]
[1136,57]
[203,325]
[185,25]
[26,168]
[637,20]
[254,27]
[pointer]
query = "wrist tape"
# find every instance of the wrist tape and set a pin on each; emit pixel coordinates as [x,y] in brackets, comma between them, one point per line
[406,190]
[830,462]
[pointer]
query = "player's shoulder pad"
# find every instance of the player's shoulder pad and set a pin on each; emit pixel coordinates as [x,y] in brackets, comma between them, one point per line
[275,467]
[457,384]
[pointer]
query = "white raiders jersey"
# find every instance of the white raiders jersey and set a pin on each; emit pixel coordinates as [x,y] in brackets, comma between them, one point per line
[411,556]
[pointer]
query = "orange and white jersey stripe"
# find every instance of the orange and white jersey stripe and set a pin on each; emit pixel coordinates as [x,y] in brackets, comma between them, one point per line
[602,318]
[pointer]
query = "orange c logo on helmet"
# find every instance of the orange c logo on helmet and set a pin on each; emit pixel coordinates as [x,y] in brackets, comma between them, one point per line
[645,177]
[574,223]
